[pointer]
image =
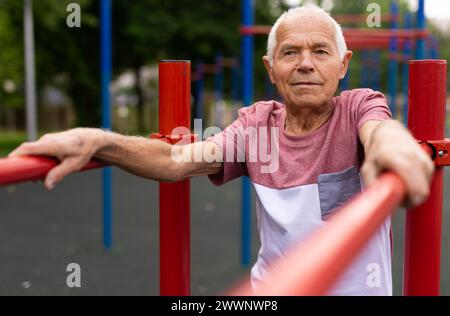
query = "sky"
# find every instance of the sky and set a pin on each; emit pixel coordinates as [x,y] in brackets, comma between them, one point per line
[439,9]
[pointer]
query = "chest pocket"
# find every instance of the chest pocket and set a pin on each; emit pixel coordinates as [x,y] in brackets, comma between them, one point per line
[335,189]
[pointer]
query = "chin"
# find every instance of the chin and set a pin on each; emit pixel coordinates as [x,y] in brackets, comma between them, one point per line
[307,101]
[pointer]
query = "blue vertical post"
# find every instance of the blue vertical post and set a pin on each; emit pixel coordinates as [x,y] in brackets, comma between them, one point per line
[421,25]
[377,70]
[247,95]
[407,48]
[235,85]
[218,91]
[106,62]
[393,64]
[199,89]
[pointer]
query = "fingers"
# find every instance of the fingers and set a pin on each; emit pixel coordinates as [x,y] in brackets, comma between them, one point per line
[416,171]
[41,147]
[69,147]
[57,174]
[370,172]
[428,166]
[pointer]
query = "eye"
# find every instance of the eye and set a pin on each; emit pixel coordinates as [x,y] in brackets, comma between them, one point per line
[321,52]
[289,53]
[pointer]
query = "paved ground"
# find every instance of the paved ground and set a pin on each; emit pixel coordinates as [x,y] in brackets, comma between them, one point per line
[41,233]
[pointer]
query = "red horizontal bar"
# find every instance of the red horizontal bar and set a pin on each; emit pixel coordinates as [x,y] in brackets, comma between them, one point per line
[312,267]
[357,39]
[353,42]
[360,33]
[368,43]
[386,33]
[255,30]
[30,168]
[361,18]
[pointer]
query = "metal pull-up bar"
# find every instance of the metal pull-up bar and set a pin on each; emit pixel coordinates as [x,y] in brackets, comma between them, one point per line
[26,169]
[427,108]
[174,198]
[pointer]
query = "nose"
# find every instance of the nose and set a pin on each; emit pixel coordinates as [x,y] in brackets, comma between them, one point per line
[305,64]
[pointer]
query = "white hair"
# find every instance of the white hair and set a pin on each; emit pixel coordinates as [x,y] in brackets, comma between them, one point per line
[309,10]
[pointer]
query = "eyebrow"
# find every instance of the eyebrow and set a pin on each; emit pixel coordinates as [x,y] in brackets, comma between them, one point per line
[288,47]
[321,45]
[314,46]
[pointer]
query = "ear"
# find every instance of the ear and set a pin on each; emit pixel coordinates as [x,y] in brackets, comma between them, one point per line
[345,63]
[269,69]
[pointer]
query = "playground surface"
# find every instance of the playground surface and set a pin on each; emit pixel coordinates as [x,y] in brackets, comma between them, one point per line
[42,232]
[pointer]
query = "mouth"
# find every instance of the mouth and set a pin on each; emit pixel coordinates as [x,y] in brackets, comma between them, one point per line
[305,83]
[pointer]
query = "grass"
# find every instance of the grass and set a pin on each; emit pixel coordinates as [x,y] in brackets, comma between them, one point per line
[9,141]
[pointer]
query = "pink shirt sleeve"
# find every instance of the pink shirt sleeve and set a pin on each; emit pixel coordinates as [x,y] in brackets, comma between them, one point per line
[231,143]
[370,105]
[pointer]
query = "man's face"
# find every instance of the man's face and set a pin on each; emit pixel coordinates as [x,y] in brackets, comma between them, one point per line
[307,67]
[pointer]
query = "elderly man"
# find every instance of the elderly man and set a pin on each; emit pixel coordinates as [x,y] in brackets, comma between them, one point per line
[318,146]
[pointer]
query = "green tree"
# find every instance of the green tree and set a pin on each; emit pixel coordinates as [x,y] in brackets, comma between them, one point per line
[68,58]
[143,32]
[149,30]
[61,52]
[11,52]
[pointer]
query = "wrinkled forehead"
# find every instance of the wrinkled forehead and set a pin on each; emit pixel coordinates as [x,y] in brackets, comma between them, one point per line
[307,26]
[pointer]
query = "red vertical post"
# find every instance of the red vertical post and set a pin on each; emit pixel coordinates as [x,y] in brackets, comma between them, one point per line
[174,112]
[427,97]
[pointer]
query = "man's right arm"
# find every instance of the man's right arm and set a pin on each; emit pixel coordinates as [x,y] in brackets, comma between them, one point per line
[152,159]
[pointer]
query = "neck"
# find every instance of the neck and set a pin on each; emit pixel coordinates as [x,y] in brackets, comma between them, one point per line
[302,121]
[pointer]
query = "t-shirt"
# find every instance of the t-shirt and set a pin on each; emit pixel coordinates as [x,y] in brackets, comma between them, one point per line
[300,181]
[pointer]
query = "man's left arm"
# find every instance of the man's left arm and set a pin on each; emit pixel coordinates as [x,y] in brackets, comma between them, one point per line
[390,146]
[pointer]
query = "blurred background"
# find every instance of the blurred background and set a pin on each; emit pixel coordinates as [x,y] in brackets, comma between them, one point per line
[41,233]
[68,59]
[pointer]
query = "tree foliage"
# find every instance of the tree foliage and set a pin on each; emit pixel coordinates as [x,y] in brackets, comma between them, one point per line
[144,31]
